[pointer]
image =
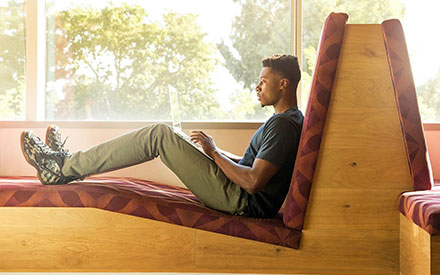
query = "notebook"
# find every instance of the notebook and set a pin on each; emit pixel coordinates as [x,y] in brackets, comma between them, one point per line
[175,117]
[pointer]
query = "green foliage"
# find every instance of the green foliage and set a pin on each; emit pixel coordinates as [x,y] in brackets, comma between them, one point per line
[118,64]
[429,99]
[12,59]
[247,108]
[360,12]
[263,29]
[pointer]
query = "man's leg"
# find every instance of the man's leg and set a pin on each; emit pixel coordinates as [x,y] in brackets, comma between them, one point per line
[199,173]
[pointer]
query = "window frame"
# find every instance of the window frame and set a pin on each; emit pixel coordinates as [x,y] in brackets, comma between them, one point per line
[36,75]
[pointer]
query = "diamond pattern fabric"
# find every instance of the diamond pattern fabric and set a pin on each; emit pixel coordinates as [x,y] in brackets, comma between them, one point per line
[422,208]
[313,127]
[144,199]
[406,97]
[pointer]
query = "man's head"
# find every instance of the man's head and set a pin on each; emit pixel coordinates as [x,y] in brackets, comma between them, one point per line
[279,79]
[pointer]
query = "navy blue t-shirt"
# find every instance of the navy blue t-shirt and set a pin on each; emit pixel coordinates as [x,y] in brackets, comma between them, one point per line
[277,142]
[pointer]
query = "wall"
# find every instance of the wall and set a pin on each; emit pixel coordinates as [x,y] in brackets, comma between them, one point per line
[12,162]
[433,140]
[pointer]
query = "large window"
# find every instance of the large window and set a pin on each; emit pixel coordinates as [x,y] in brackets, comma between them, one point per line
[117,60]
[12,59]
[419,20]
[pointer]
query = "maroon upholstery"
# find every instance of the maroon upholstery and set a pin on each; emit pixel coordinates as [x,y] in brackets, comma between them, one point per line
[406,98]
[422,208]
[144,199]
[325,70]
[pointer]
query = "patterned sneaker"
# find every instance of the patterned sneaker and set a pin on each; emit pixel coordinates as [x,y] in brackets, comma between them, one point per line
[47,162]
[53,140]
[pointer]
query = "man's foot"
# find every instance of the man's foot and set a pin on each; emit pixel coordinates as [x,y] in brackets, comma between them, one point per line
[47,162]
[53,140]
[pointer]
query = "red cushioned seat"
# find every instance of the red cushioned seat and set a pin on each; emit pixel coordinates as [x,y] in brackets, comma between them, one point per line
[145,199]
[422,208]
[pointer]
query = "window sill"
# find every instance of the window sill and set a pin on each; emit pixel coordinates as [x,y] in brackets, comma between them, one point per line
[245,125]
[131,124]
[432,126]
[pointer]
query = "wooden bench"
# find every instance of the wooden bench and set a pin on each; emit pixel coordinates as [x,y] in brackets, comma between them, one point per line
[352,164]
[420,232]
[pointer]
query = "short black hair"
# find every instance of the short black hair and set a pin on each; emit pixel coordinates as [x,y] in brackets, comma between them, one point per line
[286,65]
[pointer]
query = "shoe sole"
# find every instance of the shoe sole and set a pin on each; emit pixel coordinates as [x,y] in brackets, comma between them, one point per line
[31,162]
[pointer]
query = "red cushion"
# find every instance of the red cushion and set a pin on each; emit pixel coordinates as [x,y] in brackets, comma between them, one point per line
[313,127]
[422,208]
[406,98]
[145,199]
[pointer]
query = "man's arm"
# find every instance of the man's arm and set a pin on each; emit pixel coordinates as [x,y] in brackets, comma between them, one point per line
[252,179]
[230,156]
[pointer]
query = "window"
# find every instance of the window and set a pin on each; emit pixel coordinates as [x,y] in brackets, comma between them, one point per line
[12,59]
[420,26]
[418,19]
[115,60]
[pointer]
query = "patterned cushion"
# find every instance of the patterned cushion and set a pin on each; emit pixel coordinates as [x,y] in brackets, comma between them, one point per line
[325,70]
[406,98]
[422,208]
[144,199]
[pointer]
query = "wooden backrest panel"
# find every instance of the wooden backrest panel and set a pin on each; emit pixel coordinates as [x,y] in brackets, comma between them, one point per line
[362,164]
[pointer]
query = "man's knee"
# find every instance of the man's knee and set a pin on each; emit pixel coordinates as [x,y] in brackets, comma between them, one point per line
[162,127]
[158,129]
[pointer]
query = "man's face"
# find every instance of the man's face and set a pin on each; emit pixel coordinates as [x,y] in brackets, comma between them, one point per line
[268,89]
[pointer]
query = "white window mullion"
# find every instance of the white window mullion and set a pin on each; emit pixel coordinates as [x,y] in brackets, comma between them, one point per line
[35,59]
[296,37]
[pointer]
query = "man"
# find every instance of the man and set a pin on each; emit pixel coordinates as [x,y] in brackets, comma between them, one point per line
[254,185]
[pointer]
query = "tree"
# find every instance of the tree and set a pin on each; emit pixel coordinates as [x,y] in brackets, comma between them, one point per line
[117,63]
[12,58]
[428,95]
[263,29]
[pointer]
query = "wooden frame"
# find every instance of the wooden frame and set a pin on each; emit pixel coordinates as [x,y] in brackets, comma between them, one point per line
[352,221]
[419,251]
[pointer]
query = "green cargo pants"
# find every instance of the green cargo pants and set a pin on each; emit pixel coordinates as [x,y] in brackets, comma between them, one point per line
[198,172]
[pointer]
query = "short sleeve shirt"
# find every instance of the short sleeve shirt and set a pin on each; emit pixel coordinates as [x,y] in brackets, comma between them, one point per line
[275,141]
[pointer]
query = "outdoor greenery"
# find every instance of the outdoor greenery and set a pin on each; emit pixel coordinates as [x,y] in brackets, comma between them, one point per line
[117,62]
[12,60]
[269,21]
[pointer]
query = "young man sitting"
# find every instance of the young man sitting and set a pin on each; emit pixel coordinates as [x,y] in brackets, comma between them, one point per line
[254,185]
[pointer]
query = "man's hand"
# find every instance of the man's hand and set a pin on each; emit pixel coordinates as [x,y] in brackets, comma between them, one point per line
[205,141]
[252,179]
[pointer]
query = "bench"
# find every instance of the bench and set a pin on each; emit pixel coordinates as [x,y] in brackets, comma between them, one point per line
[339,216]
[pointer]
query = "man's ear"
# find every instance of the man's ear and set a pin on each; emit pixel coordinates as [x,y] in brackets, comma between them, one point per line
[284,83]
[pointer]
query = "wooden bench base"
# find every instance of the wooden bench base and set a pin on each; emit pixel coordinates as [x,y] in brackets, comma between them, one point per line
[419,251]
[63,239]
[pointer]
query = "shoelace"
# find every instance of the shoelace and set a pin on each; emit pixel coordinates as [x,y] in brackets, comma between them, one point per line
[58,137]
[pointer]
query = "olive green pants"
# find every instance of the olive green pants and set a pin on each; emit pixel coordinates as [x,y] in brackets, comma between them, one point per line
[198,172]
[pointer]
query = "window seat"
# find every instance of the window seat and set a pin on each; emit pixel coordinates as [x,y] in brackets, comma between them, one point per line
[144,199]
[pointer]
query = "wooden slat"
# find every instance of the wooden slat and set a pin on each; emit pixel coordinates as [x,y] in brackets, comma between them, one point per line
[321,252]
[435,255]
[353,209]
[415,248]
[88,239]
